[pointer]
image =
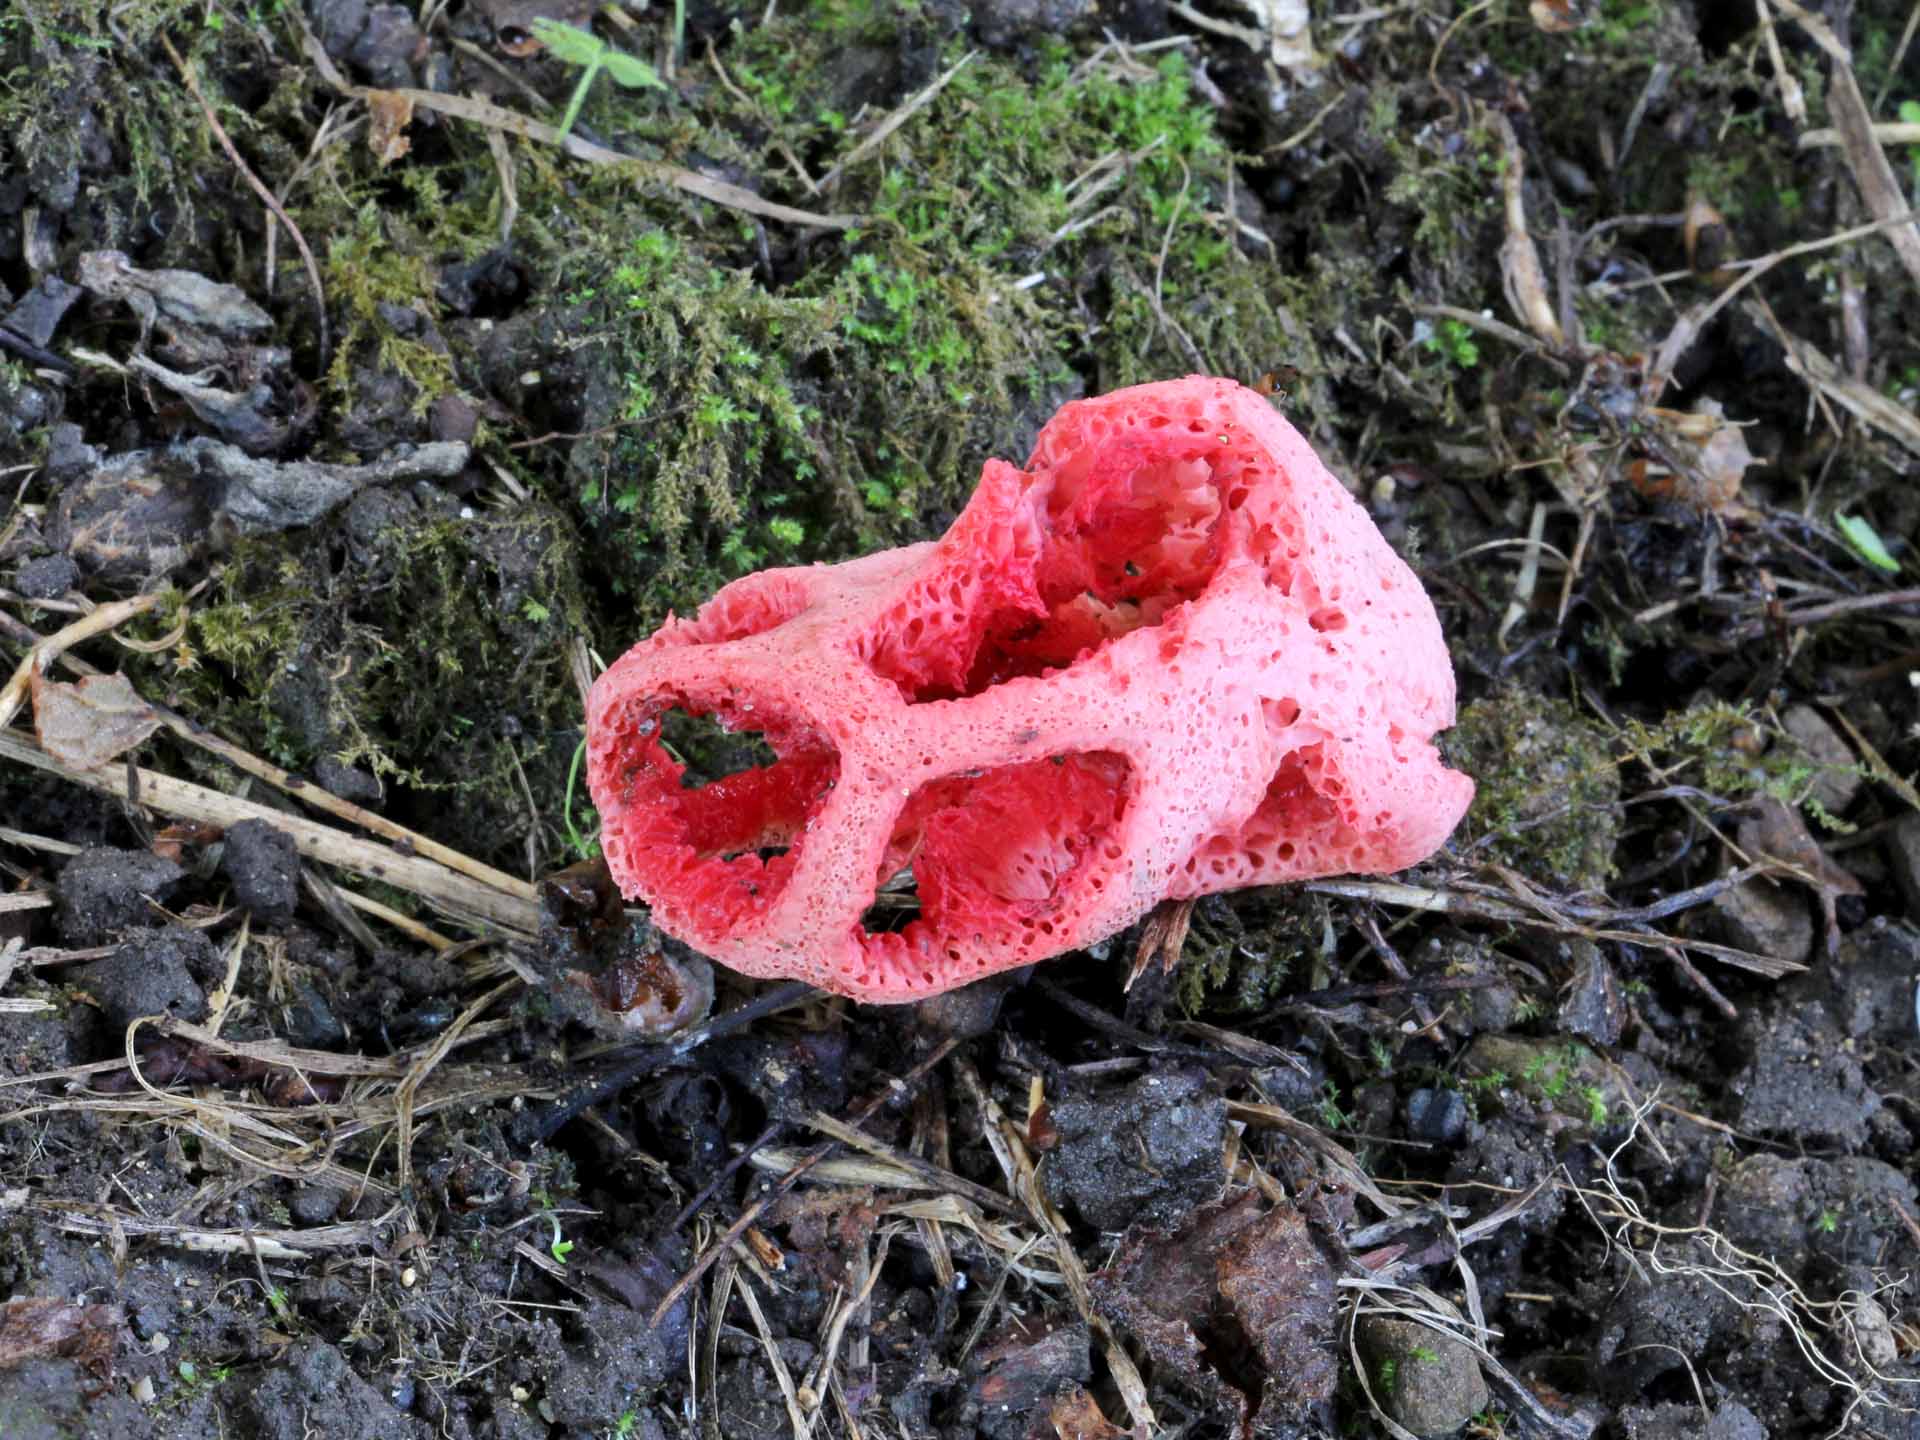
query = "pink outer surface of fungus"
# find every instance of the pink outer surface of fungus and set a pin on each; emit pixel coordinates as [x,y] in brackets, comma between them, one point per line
[1170,657]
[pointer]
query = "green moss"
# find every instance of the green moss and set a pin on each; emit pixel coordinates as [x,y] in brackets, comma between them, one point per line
[1240,950]
[1557,1075]
[424,645]
[1545,788]
[1011,261]
[66,80]
[366,267]
[1448,178]
[693,393]
[1731,752]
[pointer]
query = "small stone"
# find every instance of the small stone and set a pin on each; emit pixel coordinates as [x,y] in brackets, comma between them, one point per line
[968,1012]
[47,578]
[315,1204]
[1437,1116]
[1423,1378]
[1765,918]
[311,1022]
[452,417]
[263,863]
[1873,1331]
[1838,778]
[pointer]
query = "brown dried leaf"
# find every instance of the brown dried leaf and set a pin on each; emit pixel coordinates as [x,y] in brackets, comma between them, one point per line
[1076,1416]
[31,1329]
[90,722]
[1235,1281]
[825,1230]
[1557,17]
[1776,831]
[389,114]
[1710,459]
[1018,1370]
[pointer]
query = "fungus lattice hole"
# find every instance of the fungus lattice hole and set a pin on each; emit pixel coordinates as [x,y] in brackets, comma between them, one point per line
[1300,821]
[708,751]
[896,904]
[716,814]
[998,862]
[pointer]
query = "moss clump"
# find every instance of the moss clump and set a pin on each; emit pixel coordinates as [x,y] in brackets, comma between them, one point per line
[1240,950]
[95,120]
[740,394]
[375,276]
[411,636]
[1551,1075]
[1736,754]
[1546,787]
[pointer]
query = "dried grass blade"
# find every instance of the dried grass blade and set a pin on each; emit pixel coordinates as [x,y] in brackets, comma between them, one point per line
[459,894]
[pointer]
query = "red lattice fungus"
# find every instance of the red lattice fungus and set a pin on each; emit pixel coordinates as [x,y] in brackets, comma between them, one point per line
[1170,657]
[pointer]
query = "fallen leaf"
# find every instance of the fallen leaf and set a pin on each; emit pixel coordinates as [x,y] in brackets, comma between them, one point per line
[1709,459]
[1775,831]
[1557,17]
[89,722]
[1076,1416]
[389,114]
[1866,540]
[181,295]
[1234,1281]
[33,1328]
[1018,1370]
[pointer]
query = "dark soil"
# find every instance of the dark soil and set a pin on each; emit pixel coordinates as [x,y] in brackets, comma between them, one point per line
[1601,1123]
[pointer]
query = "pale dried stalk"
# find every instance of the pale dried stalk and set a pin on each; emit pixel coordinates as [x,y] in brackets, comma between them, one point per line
[1520,268]
[459,894]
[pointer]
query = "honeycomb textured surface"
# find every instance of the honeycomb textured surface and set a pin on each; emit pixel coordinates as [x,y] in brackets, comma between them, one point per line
[1169,657]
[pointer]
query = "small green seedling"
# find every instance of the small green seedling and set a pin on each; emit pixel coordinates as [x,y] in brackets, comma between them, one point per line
[584,846]
[1866,540]
[561,1246]
[573,46]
